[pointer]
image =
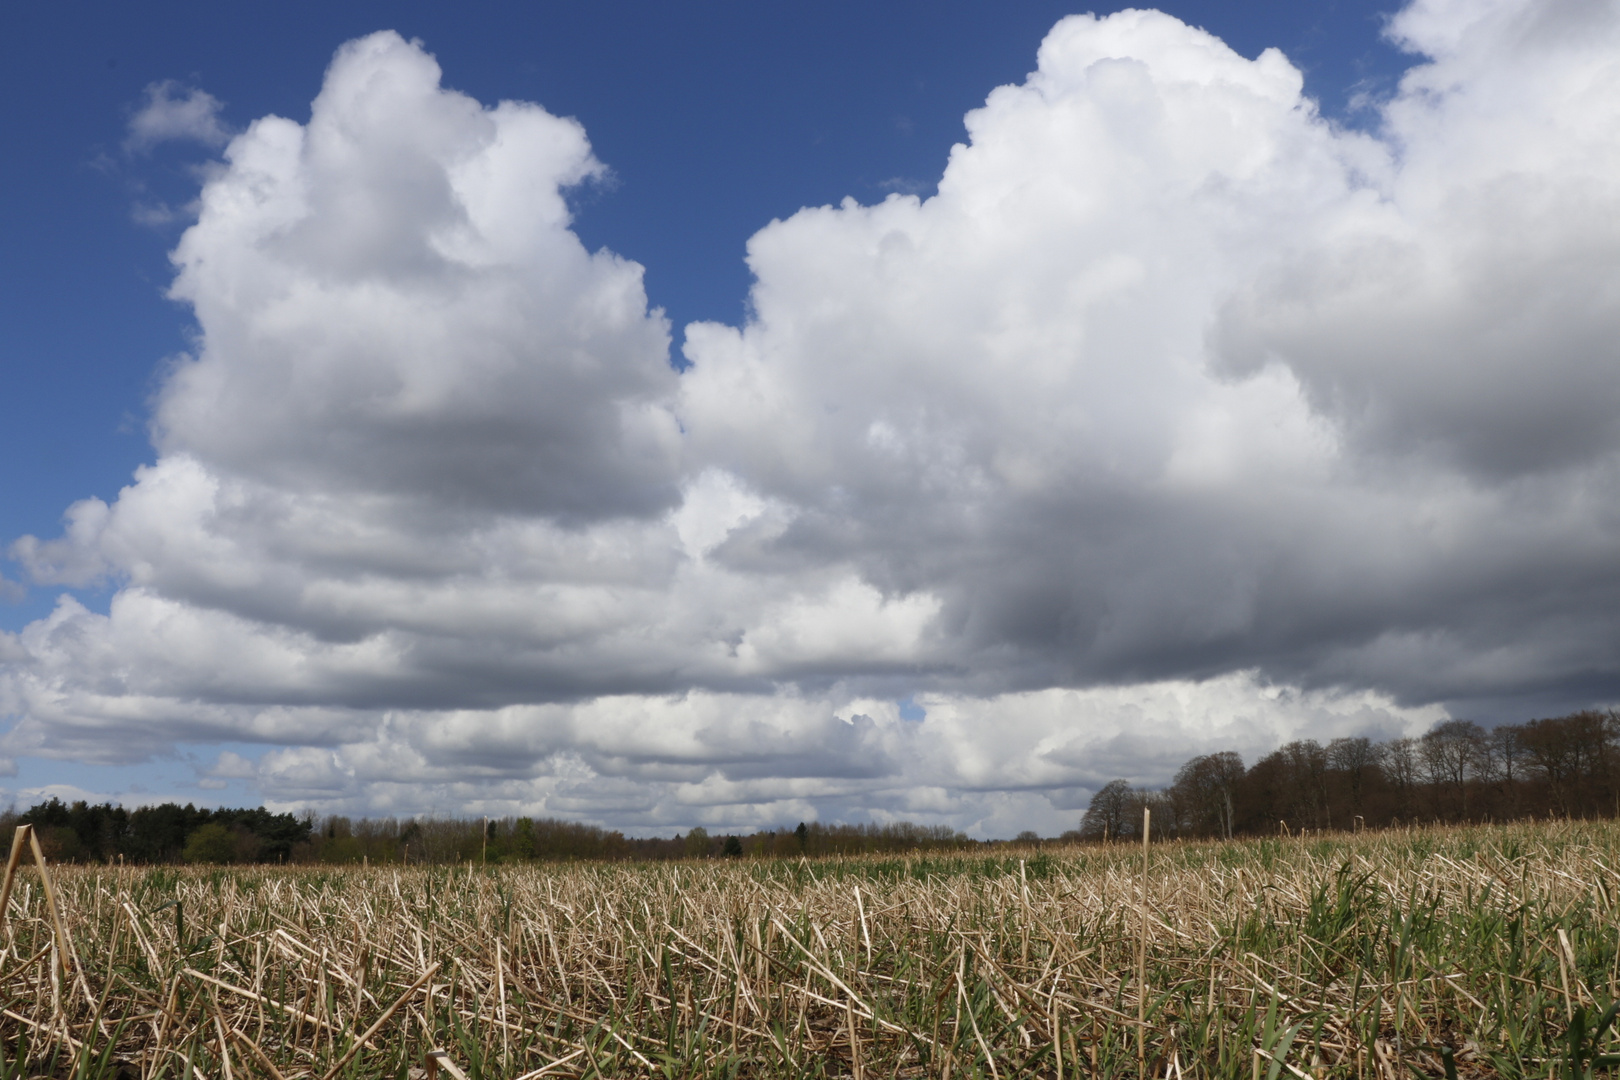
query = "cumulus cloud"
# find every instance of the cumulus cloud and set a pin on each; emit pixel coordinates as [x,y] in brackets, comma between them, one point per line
[231,765]
[171,112]
[73,558]
[1141,393]
[1471,312]
[1179,419]
[394,309]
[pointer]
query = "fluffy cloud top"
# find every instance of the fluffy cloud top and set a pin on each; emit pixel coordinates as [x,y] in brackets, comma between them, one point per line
[1178,418]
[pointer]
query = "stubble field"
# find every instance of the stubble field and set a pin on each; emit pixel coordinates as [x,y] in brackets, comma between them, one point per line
[1471,951]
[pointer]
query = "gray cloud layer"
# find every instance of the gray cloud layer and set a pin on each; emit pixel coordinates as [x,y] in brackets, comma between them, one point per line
[1177,419]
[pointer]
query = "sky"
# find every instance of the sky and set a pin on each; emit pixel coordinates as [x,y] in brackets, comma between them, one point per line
[739,414]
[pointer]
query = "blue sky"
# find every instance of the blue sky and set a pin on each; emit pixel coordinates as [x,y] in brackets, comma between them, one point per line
[1169,412]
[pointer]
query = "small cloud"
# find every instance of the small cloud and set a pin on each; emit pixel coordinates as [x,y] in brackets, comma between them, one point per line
[72,560]
[68,793]
[230,766]
[905,185]
[11,592]
[157,214]
[212,785]
[1368,95]
[174,113]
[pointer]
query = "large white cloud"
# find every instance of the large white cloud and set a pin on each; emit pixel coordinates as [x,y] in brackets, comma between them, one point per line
[393,307]
[1178,419]
[1472,313]
[1131,396]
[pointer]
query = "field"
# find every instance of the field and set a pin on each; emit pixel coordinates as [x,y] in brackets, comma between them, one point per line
[1466,951]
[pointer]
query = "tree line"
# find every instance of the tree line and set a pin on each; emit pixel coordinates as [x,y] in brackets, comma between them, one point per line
[80,832]
[1566,766]
[166,833]
[526,839]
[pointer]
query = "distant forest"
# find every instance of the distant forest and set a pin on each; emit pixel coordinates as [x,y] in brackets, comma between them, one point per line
[83,833]
[1567,767]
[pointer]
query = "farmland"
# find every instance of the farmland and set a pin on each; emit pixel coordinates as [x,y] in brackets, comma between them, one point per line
[1483,951]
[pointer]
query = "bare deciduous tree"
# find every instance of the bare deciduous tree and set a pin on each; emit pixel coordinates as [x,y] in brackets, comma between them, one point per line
[1109,812]
[1356,758]
[1450,754]
[1205,787]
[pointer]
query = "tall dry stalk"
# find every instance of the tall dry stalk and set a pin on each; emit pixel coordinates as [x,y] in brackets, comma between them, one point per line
[67,960]
[19,843]
[1141,949]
